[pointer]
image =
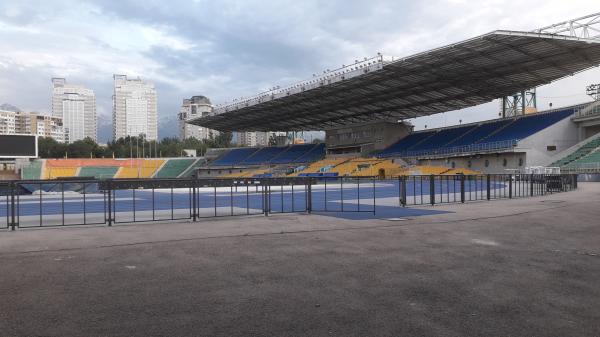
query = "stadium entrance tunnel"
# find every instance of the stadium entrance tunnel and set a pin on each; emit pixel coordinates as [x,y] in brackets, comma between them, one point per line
[76,202]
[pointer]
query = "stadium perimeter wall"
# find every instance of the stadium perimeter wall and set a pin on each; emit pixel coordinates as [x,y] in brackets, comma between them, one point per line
[498,162]
[542,146]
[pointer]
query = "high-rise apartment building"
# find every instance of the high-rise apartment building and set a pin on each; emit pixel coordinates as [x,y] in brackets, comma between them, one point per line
[134,108]
[76,106]
[31,123]
[252,138]
[197,106]
[7,122]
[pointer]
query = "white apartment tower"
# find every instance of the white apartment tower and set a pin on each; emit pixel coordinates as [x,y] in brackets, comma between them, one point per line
[134,108]
[197,106]
[76,106]
[252,138]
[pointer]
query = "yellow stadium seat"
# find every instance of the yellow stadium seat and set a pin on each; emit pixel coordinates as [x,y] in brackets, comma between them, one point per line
[318,165]
[60,172]
[140,169]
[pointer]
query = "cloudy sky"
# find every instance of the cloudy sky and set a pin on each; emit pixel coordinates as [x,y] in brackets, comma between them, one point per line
[226,49]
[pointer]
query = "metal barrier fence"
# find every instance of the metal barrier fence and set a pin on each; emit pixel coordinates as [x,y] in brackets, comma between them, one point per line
[462,188]
[75,202]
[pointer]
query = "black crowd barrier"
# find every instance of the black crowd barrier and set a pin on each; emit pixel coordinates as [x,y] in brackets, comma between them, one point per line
[75,202]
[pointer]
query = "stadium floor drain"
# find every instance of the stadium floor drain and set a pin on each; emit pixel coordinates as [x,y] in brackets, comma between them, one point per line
[552,201]
[396,219]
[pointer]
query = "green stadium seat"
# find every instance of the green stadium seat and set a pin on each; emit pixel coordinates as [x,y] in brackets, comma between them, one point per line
[33,171]
[579,156]
[173,168]
[190,170]
[99,172]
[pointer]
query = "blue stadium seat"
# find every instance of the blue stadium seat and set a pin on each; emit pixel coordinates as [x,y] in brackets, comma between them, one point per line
[314,154]
[263,155]
[407,142]
[441,138]
[483,130]
[493,135]
[235,156]
[526,126]
[302,153]
[293,152]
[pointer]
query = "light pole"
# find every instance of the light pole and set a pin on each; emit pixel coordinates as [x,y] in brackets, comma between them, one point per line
[143,147]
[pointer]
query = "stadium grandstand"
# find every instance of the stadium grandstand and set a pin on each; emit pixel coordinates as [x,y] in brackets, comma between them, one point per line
[102,168]
[363,108]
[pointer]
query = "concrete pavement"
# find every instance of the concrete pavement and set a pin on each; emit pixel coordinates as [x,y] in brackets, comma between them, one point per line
[527,267]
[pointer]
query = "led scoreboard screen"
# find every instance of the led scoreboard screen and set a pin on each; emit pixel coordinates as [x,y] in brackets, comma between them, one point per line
[18,146]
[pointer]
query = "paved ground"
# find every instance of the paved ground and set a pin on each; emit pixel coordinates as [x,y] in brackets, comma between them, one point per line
[527,267]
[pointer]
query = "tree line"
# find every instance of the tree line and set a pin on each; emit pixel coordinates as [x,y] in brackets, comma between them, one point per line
[130,147]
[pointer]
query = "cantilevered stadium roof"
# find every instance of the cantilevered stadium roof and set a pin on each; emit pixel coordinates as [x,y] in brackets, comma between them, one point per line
[452,77]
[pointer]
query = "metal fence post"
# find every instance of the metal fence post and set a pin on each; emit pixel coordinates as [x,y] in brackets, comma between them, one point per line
[13,222]
[510,188]
[374,197]
[488,189]
[432,189]
[531,185]
[403,191]
[194,195]
[267,189]
[342,192]
[309,196]
[544,181]
[462,188]
[109,188]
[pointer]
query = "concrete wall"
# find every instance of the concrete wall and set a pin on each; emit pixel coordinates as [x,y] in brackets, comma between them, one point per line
[485,163]
[218,172]
[368,136]
[561,135]
[589,131]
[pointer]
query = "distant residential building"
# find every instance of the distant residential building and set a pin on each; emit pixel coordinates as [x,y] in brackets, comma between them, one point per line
[7,122]
[252,138]
[31,123]
[197,106]
[134,108]
[76,106]
[262,138]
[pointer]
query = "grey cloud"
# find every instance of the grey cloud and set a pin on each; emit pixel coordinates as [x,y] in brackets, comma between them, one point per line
[239,47]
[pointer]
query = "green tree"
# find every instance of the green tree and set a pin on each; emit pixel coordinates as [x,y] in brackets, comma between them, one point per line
[85,148]
[223,139]
[50,148]
[129,147]
[272,140]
